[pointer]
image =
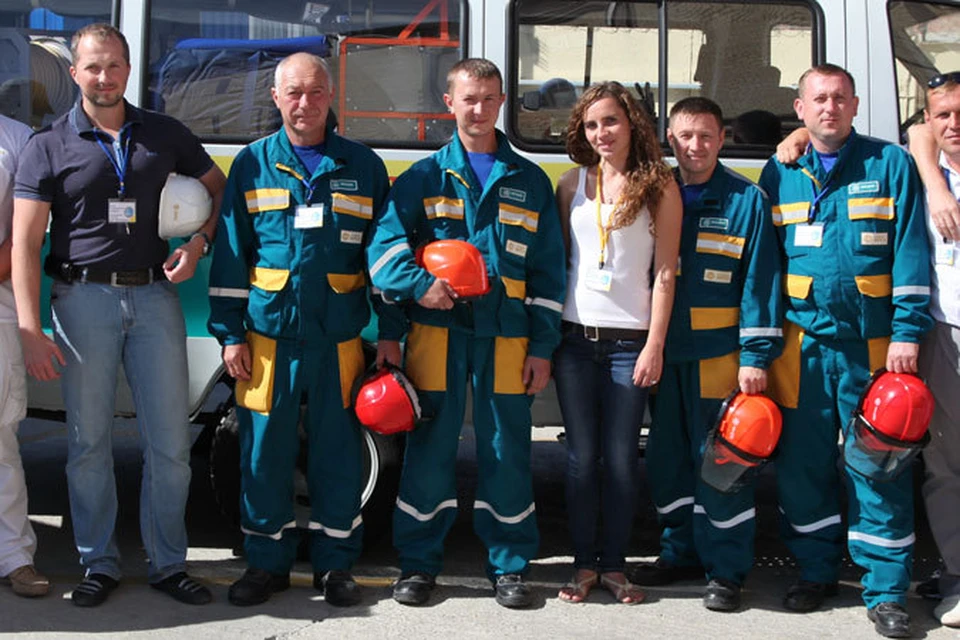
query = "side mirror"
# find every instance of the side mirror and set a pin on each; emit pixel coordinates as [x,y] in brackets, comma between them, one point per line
[531,100]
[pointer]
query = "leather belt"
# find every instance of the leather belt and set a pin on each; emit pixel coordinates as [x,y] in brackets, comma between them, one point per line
[594,334]
[69,273]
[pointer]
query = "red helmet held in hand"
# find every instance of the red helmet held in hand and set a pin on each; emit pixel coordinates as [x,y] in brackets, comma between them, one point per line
[745,436]
[889,425]
[459,263]
[386,402]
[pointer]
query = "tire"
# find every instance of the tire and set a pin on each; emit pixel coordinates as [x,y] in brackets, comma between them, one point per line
[382,457]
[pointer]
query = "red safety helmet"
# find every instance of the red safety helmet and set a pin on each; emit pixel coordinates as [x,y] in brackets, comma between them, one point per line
[744,437]
[386,402]
[459,263]
[889,425]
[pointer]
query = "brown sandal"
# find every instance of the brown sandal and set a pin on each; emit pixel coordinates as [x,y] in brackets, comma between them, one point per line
[577,590]
[622,589]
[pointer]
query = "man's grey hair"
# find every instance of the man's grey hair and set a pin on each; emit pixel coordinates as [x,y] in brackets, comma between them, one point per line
[310,57]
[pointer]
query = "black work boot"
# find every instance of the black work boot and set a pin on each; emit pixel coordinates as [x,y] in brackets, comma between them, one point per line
[256,586]
[890,620]
[414,588]
[804,596]
[722,595]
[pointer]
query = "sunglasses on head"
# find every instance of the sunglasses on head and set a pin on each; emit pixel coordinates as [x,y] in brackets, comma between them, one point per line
[942,78]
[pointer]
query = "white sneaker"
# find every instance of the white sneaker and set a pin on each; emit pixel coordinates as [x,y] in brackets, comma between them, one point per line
[948,611]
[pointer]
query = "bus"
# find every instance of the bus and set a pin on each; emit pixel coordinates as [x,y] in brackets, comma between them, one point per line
[210,64]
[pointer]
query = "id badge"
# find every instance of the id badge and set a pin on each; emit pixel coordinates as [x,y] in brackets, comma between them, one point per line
[599,280]
[121,210]
[945,254]
[309,216]
[808,235]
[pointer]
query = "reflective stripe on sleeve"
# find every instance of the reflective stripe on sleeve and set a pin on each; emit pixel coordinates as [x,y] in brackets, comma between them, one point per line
[911,291]
[761,332]
[224,292]
[387,256]
[545,302]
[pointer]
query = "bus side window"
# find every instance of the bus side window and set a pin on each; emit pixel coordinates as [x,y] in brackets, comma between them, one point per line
[212,67]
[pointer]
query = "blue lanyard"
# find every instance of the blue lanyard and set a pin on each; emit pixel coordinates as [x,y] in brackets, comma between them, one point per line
[819,191]
[306,183]
[119,163]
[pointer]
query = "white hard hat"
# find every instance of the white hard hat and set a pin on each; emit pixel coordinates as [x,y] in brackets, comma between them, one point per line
[185,204]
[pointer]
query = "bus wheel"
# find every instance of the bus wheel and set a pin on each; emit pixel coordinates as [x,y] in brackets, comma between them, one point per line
[382,458]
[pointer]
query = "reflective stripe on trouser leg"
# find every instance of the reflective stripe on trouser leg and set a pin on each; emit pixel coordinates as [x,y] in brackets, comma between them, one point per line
[670,471]
[724,524]
[504,515]
[335,466]
[879,514]
[268,451]
[427,500]
[808,483]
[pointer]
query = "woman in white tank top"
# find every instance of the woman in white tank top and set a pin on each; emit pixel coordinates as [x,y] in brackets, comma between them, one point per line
[621,213]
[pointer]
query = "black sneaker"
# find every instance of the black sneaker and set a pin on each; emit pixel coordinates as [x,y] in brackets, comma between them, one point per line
[661,572]
[256,586]
[93,590]
[338,588]
[804,596]
[182,587]
[721,595]
[512,592]
[890,620]
[414,588]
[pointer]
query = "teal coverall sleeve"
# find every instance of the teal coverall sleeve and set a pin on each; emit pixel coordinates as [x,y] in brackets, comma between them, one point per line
[392,321]
[230,270]
[761,305]
[911,262]
[390,253]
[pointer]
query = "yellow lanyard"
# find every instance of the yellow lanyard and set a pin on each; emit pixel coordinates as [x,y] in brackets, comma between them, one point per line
[601,229]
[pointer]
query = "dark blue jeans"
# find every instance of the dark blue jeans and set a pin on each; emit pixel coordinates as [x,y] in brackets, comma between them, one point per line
[602,412]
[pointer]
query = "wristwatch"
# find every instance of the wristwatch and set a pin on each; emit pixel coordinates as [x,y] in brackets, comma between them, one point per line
[207,245]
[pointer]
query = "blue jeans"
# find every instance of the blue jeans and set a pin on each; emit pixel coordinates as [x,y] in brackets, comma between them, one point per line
[98,327]
[602,412]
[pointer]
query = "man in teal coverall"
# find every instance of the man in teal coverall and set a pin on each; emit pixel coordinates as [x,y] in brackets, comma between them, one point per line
[724,333]
[850,222]
[476,189]
[288,299]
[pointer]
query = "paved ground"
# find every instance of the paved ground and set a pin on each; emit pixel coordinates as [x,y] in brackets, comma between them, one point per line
[463,606]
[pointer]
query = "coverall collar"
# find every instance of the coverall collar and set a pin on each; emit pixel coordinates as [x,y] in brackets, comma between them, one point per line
[458,162]
[811,160]
[332,160]
[710,188]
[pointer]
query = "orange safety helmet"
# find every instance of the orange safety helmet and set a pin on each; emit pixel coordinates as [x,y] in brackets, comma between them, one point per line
[459,263]
[386,402]
[744,437]
[889,425]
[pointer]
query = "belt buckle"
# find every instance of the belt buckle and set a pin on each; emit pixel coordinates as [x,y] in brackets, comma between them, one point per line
[114,282]
[591,333]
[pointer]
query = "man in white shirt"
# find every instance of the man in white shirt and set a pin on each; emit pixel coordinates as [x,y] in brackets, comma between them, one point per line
[940,354]
[17,540]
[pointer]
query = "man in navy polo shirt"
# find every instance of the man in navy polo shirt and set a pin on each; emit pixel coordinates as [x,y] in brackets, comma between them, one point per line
[98,171]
